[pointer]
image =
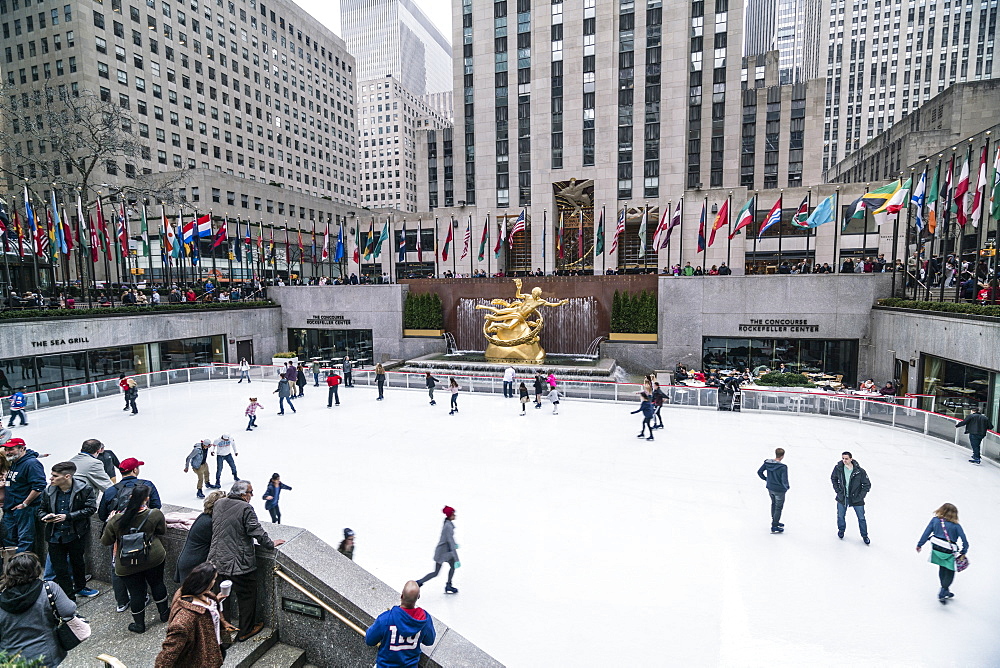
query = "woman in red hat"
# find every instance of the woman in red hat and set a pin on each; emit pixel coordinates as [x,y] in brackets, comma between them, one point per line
[446,552]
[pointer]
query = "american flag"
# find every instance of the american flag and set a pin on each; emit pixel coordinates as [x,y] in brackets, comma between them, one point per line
[619,229]
[468,239]
[519,226]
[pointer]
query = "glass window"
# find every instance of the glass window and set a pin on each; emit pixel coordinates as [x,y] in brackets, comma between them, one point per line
[328,344]
[958,387]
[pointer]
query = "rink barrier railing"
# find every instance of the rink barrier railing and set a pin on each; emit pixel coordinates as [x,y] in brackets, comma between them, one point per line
[902,413]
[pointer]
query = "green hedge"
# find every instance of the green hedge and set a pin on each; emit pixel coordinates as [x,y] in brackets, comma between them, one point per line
[423,311]
[944,307]
[775,379]
[37,314]
[15,661]
[634,313]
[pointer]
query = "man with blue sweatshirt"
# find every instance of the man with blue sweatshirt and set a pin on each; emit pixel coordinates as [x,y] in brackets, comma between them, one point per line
[776,475]
[401,630]
[25,483]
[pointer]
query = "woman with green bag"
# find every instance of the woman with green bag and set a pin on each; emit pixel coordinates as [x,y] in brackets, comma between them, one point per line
[943,531]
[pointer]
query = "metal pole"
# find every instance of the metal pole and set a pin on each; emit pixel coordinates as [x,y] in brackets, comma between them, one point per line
[947,211]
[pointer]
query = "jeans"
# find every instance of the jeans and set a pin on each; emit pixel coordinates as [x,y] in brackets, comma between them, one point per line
[130,403]
[136,586]
[118,584]
[253,422]
[508,389]
[332,395]
[281,404]
[219,461]
[946,576]
[275,514]
[245,374]
[349,379]
[316,379]
[842,522]
[17,413]
[437,569]
[381,384]
[777,503]
[454,402]
[430,393]
[19,528]
[67,561]
[974,441]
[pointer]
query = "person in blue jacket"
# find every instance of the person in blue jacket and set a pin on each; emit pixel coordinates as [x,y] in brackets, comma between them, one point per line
[776,475]
[25,484]
[271,496]
[400,631]
[18,402]
[648,411]
[944,532]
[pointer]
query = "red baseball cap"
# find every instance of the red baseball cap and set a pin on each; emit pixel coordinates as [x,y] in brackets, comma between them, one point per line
[129,464]
[15,443]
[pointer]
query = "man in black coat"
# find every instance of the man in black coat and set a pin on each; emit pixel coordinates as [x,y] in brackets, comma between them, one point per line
[851,484]
[66,507]
[976,426]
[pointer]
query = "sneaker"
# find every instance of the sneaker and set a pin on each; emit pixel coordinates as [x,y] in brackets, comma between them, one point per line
[777,529]
[88,593]
[122,608]
[840,535]
[868,541]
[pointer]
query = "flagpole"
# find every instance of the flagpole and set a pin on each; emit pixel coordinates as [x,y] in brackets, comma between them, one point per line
[781,224]
[6,246]
[437,267]
[82,245]
[949,200]
[471,266]
[916,233]
[961,228]
[680,249]
[642,240]
[454,225]
[489,251]
[729,241]
[604,254]
[752,225]
[809,232]
[983,204]
[670,219]
[34,239]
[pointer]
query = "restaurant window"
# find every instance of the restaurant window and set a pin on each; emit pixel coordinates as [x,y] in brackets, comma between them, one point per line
[828,357]
[330,345]
[958,388]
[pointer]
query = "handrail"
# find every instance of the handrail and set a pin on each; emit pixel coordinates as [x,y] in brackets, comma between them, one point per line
[111,661]
[281,574]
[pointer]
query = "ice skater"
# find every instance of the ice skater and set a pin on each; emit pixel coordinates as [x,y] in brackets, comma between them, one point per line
[522,391]
[284,393]
[301,380]
[851,485]
[380,380]
[225,450]
[646,408]
[18,402]
[508,382]
[431,381]
[131,394]
[123,384]
[943,531]
[271,496]
[251,412]
[539,389]
[976,425]
[658,397]
[454,388]
[777,484]
[348,370]
[445,552]
[198,460]
[333,382]
[244,371]
[315,371]
[553,397]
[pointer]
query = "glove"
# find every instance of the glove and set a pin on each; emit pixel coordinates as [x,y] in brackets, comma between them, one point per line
[457,546]
[458,564]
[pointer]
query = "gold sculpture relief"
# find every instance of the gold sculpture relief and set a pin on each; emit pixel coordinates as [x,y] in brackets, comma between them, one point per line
[510,335]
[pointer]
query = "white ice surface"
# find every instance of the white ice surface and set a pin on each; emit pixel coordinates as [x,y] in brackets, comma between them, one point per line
[582,545]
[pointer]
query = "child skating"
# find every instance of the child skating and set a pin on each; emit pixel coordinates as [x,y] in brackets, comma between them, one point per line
[271,496]
[251,412]
[647,410]
[453,386]
[522,391]
[553,397]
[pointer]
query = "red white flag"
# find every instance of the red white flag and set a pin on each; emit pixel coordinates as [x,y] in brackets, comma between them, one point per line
[659,236]
[468,239]
[326,243]
[961,196]
[619,229]
[977,202]
[447,242]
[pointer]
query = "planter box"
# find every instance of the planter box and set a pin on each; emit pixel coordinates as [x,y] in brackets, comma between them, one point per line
[426,333]
[281,361]
[632,337]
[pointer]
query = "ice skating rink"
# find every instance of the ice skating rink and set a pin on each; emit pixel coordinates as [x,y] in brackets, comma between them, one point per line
[582,545]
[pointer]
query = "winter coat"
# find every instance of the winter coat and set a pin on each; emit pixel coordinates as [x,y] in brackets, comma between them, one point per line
[539,384]
[25,474]
[431,382]
[197,458]
[333,380]
[284,388]
[954,531]
[155,525]
[27,622]
[777,475]
[82,504]
[195,550]
[860,484]
[346,367]
[234,528]
[111,493]
[976,424]
[191,639]
[291,373]
[523,393]
[659,397]
[275,494]
[399,634]
[646,408]
[446,549]
[91,470]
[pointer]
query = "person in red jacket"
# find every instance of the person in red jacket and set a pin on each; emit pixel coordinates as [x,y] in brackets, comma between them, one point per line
[333,382]
[123,384]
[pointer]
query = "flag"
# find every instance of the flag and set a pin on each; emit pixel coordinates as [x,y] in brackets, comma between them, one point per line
[420,248]
[959,204]
[238,246]
[60,235]
[801,214]
[519,226]
[94,242]
[701,226]
[273,251]
[874,200]
[855,209]
[144,231]
[721,220]
[81,228]
[49,239]
[402,243]
[642,231]
[579,238]
[5,222]
[356,255]
[447,243]
[288,248]
[312,251]
[559,237]
[37,233]
[619,229]
[977,203]
[995,187]
[67,230]
[917,199]
[302,250]
[932,201]
[661,229]
[17,230]
[500,237]
[326,243]
[773,218]
[485,239]
[221,235]
[599,236]
[122,229]
[205,226]
[260,236]
[468,239]
[675,221]
[370,240]
[894,204]
[339,255]
[824,213]
[384,236]
[745,216]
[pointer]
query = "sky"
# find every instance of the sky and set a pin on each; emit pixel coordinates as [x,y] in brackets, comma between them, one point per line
[438,11]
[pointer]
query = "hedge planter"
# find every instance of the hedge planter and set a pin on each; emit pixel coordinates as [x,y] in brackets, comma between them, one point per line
[627,337]
[424,333]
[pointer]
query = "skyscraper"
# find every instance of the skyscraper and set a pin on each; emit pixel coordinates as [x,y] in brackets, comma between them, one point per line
[395,38]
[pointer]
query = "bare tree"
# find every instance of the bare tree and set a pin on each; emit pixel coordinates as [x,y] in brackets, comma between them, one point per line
[77,142]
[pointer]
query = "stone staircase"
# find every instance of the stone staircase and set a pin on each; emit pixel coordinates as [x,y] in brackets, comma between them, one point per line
[110,636]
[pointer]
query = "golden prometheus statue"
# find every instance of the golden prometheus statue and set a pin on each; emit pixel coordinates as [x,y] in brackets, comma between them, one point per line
[511,336]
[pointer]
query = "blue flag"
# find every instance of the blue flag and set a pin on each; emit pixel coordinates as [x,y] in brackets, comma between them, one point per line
[340,245]
[823,213]
[402,243]
[238,246]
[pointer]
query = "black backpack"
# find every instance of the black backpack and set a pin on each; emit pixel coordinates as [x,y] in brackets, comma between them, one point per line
[120,501]
[134,546]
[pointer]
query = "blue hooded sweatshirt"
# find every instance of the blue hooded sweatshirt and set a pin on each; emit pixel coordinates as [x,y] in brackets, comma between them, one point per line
[401,636]
[26,474]
[777,475]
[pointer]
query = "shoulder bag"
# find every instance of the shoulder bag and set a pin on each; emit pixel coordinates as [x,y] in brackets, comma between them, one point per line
[71,631]
[961,561]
